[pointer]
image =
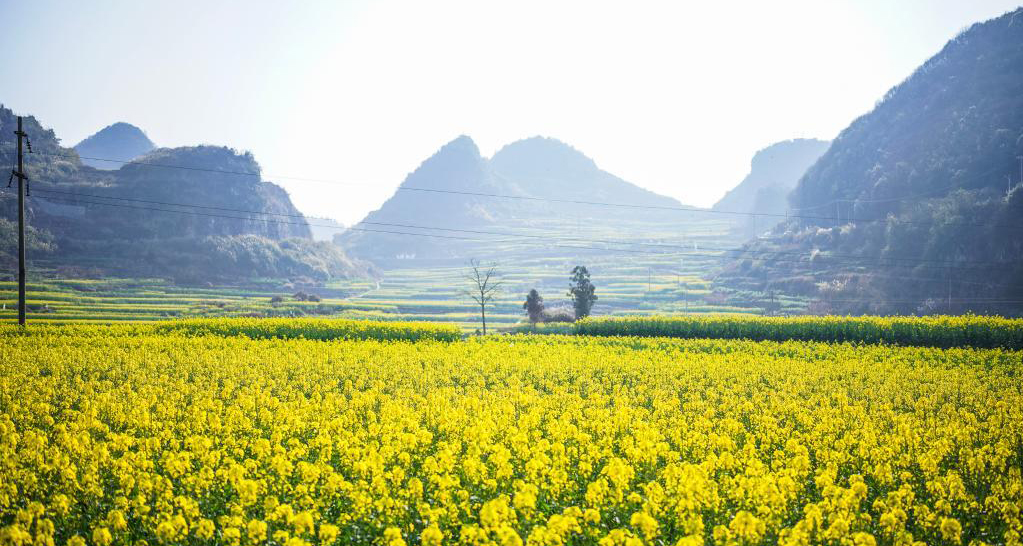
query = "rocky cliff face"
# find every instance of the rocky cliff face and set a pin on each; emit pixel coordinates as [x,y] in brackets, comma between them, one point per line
[130,220]
[237,203]
[774,171]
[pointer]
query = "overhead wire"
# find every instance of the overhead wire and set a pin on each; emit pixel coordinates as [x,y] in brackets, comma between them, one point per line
[434,235]
[513,237]
[521,197]
[482,232]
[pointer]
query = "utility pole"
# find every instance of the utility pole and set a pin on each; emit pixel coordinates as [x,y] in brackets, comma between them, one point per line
[22,180]
[678,280]
[950,290]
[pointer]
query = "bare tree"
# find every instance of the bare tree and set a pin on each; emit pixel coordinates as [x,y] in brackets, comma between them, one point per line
[485,286]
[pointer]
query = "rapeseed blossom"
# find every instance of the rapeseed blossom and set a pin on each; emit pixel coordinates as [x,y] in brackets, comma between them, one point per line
[166,438]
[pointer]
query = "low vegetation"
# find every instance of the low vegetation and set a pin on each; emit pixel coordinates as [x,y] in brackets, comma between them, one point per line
[268,328]
[936,331]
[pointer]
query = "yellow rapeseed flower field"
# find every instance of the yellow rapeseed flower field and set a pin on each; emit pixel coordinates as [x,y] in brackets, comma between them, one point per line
[163,438]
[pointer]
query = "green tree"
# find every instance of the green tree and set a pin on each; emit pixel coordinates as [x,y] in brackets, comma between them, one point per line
[534,306]
[582,292]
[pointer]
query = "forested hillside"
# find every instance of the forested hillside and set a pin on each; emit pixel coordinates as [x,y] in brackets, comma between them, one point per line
[918,205]
[128,221]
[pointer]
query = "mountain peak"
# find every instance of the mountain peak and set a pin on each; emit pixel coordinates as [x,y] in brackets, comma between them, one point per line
[460,146]
[464,141]
[457,164]
[117,142]
[541,155]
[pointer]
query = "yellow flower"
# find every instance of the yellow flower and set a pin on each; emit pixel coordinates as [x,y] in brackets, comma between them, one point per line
[256,530]
[747,527]
[950,530]
[392,537]
[303,522]
[116,520]
[496,513]
[101,536]
[205,529]
[525,497]
[431,536]
[165,531]
[248,492]
[328,533]
[646,524]
[61,504]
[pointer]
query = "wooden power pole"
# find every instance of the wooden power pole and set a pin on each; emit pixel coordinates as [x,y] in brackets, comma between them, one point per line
[22,180]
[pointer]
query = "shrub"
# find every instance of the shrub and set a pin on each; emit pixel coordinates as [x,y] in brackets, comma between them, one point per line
[558,315]
[938,331]
[311,328]
[255,328]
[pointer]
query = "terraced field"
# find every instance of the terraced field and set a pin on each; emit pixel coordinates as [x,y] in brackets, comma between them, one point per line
[637,276]
[111,300]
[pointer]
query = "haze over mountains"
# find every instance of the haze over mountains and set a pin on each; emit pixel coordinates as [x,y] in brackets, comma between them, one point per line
[545,178]
[924,193]
[916,207]
[126,221]
[774,171]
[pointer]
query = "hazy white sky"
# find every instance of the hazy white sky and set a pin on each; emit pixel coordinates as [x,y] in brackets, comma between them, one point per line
[673,96]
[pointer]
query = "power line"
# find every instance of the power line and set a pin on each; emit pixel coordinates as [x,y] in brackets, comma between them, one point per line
[546,238]
[149,164]
[928,193]
[919,301]
[75,201]
[874,275]
[168,203]
[525,197]
[482,232]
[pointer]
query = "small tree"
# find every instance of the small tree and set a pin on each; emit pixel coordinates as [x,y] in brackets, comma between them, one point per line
[484,287]
[582,292]
[534,306]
